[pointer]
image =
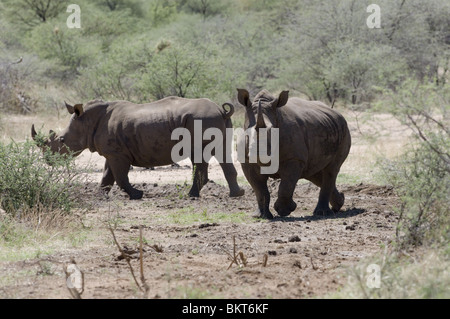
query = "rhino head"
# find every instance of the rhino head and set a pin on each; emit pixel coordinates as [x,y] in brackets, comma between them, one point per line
[71,140]
[262,116]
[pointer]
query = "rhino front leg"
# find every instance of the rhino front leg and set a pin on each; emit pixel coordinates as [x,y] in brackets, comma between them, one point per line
[259,184]
[120,168]
[289,174]
[107,180]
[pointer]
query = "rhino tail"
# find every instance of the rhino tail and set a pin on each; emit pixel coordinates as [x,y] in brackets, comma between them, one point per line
[228,113]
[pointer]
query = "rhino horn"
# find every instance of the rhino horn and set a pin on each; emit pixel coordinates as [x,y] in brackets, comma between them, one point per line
[33,132]
[259,119]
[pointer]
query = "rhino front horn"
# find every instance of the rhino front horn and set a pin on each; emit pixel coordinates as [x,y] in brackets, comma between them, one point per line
[33,132]
[259,117]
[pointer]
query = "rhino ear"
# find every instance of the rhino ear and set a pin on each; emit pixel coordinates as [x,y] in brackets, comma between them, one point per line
[69,107]
[244,97]
[282,99]
[78,108]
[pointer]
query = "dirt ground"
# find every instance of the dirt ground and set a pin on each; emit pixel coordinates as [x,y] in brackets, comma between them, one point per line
[306,255]
[188,243]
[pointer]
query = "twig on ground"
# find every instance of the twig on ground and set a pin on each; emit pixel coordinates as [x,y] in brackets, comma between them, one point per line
[141,261]
[126,257]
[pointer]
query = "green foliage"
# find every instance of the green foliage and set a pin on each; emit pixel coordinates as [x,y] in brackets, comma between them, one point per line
[323,50]
[177,71]
[161,11]
[30,13]
[27,183]
[421,276]
[422,176]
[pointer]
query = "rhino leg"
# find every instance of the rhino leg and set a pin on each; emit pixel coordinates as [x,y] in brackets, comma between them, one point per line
[119,168]
[336,198]
[259,184]
[107,180]
[284,204]
[231,176]
[200,171]
[289,174]
[327,188]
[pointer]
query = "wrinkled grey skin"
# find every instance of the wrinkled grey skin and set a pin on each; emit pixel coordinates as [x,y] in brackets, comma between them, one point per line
[314,141]
[140,135]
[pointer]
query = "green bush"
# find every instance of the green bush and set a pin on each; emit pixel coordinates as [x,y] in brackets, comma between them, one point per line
[28,183]
[421,176]
[177,71]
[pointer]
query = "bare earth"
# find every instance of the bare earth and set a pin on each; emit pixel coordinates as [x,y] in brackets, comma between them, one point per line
[187,242]
[307,255]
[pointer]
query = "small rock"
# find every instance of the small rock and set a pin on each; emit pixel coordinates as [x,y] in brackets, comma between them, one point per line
[352,227]
[292,250]
[272,252]
[294,239]
[279,241]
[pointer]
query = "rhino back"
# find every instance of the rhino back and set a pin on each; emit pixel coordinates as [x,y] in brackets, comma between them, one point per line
[318,133]
[142,132]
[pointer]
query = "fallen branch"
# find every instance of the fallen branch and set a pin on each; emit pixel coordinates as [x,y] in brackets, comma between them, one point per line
[235,257]
[126,257]
[141,262]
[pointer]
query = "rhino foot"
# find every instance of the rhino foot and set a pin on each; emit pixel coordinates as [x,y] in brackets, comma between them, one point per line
[284,209]
[238,193]
[136,194]
[263,215]
[323,212]
[337,201]
[193,194]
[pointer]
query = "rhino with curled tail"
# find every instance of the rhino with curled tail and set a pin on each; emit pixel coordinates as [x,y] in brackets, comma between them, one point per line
[140,135]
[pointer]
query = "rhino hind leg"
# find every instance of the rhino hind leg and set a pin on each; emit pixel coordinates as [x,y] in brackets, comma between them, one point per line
[200,172]
[231,176]
[326,180]
[336,198]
